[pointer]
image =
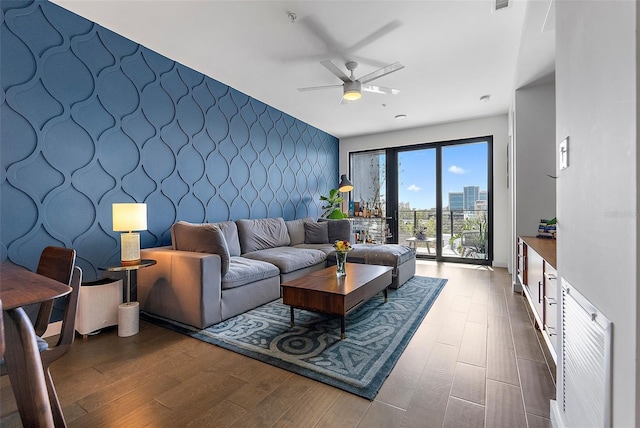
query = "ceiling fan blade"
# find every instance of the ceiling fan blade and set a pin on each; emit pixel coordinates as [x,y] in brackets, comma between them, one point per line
[315,88]
[331,44]
[379,33]
[382,72]
[380,89]
[335,70]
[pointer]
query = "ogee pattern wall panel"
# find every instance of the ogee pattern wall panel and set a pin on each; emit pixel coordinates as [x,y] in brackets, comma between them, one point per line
[90,118]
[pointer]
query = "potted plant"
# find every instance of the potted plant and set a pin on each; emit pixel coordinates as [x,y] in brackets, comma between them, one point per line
[331,205]
[478,235]
[420,232]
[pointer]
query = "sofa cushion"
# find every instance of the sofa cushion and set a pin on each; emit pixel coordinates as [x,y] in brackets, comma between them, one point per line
[325,248]
[230,232]
[201,238]
[262,233]
[339,230]
[316,233]
[296,230]
[243,271]
[288,259]
[375,254]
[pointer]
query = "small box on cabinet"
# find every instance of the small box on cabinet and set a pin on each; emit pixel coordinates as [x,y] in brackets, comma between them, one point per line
[98,305]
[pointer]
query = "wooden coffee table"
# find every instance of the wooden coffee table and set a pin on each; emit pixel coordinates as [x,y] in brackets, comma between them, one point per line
[323,292]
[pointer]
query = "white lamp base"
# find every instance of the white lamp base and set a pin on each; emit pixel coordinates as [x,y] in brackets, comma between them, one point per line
[128,319]
[130,248]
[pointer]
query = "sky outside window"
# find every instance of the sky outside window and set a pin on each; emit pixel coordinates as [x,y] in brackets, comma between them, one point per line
[462,165]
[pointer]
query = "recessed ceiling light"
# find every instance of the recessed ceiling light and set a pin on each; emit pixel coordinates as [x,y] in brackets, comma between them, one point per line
[401,116]
[485,98]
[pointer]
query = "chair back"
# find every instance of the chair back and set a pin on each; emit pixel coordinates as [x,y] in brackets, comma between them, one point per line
[55,263]
[1,331]
[470,238]
[68,330]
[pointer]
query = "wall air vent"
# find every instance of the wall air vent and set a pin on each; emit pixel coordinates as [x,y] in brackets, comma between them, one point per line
[500,4]
[585,368]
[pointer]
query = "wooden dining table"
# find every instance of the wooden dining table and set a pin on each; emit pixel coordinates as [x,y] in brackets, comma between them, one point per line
[20,287]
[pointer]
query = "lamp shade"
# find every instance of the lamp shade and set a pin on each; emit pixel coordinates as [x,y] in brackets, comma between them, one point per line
[128,217]
[345,185]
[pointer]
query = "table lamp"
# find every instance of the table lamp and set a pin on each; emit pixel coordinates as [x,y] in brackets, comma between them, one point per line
[128,217]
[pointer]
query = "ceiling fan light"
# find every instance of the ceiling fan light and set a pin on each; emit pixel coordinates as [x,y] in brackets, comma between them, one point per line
[352,95]
[352,91]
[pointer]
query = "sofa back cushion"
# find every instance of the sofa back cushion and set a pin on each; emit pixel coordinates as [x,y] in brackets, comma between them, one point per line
[296,230]
[339,230]
[230,232]
[316,233]
[201,238]
[260,234]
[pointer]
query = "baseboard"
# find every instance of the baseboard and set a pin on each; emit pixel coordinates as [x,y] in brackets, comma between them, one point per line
[53,329]
[557,416]
[499,264]
[516,287]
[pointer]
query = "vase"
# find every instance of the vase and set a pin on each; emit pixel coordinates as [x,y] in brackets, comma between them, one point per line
[341,263]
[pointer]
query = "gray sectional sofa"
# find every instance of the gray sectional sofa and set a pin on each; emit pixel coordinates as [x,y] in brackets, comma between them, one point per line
[215,271]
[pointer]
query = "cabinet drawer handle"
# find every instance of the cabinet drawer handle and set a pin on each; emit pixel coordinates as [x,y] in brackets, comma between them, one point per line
[539,291]
[550,300]
[550,276]
[550,330]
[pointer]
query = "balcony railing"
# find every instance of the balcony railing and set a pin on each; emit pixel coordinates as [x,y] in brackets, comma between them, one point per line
[464,232]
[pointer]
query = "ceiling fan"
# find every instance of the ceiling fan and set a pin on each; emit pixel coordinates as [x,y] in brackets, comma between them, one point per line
[352,87]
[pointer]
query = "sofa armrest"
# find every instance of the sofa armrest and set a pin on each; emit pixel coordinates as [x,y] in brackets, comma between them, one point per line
[183,286]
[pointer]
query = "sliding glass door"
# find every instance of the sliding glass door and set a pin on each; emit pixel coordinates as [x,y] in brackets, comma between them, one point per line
[465,200]
[437,197]
[417,199]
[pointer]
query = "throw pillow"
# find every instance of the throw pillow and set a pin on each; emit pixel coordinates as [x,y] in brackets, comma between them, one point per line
[339,230]
[316,233]
[201,238]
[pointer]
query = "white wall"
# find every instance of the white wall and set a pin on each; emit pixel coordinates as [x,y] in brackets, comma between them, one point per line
[535,157]
[597,196]
[533,194]
[497,126]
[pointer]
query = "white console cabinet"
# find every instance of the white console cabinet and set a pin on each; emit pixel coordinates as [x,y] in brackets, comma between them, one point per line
[537,274]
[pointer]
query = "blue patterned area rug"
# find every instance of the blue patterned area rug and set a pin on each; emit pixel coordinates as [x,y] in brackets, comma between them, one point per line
[377,334]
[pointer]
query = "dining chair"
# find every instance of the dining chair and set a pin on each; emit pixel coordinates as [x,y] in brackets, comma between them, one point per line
[55,263]
[65,340]
[1,332]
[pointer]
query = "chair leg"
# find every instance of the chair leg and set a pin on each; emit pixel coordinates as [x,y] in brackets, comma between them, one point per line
[56,409]
[25,370]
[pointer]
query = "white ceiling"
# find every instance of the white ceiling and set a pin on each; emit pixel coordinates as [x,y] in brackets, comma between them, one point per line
[454,52]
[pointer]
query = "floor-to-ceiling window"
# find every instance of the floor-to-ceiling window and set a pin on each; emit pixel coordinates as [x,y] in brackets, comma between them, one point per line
[437,196]
[368,175]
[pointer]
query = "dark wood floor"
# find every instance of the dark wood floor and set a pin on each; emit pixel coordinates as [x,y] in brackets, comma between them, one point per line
[475,361]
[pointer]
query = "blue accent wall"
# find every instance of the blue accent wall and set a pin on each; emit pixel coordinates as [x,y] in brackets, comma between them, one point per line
[90,118]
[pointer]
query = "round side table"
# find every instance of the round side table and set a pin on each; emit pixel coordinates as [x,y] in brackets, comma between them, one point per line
[128,312]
